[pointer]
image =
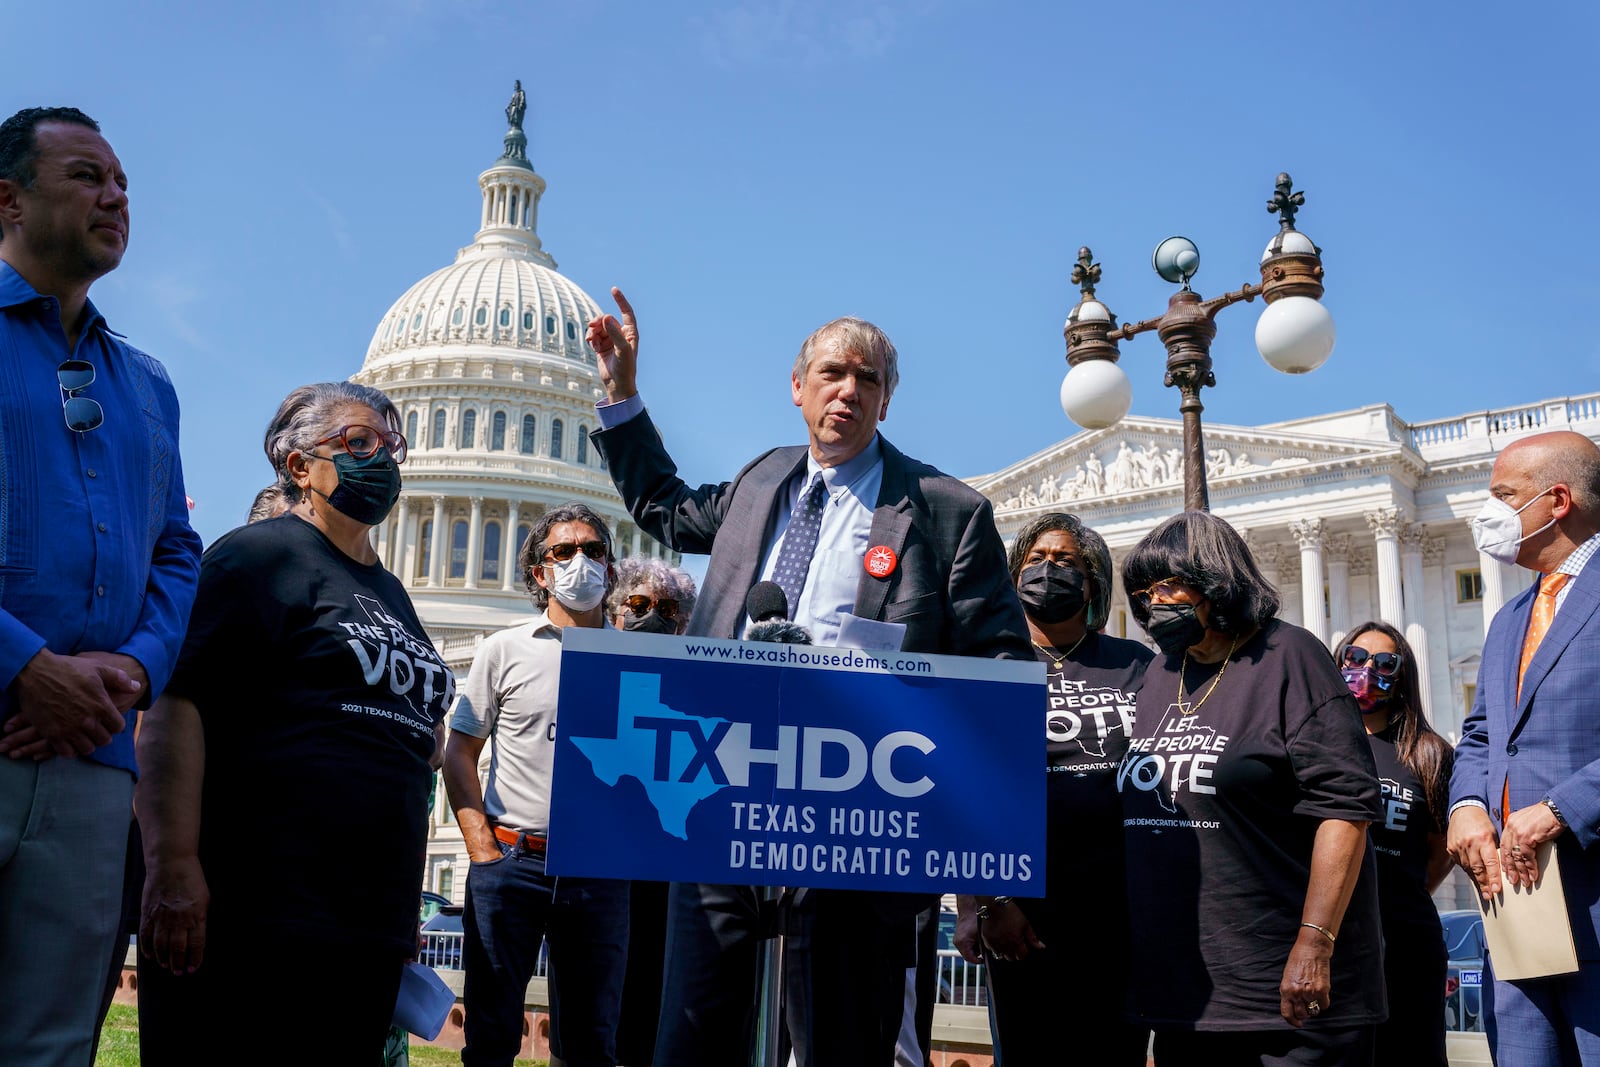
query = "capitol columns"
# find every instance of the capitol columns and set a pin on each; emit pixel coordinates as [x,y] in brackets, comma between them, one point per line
[436,546]
[1336,550]
[508,543]
[1412,536]
[1385,525]
[475,543]
[397,540]
[1494,586]
[1308,535]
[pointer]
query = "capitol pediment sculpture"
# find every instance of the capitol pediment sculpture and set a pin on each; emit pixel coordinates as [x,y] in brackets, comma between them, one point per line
[1138,456]
[1132,467]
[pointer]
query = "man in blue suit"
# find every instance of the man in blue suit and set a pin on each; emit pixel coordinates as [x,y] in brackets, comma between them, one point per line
[1527,768]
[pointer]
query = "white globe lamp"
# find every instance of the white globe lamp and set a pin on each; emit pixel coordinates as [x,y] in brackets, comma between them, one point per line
[1295,334]
[1096,394]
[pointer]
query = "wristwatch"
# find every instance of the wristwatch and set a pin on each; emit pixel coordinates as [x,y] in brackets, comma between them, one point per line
[1000,902]
[1547,802]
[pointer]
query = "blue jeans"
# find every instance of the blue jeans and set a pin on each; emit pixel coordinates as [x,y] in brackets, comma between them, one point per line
[513,907]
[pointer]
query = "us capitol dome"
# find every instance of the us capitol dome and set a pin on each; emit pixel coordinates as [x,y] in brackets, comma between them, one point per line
[487,362]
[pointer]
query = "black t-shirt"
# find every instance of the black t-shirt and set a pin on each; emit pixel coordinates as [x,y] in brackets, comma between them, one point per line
[318,690]
[1400,840]
[1088,720]
[1221,805]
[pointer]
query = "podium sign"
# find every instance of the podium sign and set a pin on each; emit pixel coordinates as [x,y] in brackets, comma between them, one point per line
[697,760]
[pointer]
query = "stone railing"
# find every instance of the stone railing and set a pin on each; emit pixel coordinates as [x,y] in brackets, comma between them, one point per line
[1490,429]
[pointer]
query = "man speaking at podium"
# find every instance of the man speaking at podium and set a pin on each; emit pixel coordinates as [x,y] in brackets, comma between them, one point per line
[848,526]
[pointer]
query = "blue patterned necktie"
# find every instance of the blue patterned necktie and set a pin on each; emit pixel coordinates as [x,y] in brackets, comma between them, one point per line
[800,543]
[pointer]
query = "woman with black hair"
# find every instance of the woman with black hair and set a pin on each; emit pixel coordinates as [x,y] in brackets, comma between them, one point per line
[1414,766]
[1246,794]
[1059,965]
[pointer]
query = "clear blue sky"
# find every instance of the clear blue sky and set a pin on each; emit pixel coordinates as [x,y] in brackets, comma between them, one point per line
[748,170]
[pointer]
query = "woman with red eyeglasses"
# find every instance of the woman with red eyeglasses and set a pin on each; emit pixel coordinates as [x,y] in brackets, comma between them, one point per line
[1414,772]
[286,769]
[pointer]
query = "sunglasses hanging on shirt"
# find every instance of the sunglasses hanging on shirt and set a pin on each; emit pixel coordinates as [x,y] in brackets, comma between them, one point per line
[81,412]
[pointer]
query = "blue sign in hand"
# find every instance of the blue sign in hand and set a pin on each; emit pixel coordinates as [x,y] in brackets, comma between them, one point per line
[697,760]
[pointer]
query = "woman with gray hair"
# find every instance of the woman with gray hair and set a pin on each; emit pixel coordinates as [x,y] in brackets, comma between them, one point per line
[1035,948]
[654,597]
[651,596]
[285,770]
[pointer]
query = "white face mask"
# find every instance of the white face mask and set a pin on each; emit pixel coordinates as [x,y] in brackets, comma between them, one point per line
[579,583]
[1497,528]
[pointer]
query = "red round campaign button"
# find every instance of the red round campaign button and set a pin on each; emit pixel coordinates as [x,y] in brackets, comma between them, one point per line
[880,561]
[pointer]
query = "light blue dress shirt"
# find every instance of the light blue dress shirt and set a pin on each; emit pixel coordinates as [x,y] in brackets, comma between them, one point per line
[842,542]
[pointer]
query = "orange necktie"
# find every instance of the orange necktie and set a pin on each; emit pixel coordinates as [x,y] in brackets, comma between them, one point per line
[1544,612]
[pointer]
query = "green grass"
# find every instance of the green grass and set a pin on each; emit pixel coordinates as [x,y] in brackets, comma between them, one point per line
[119,1046]
[119,1038]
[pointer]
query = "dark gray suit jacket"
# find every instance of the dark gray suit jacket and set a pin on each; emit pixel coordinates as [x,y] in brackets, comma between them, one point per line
[950,586]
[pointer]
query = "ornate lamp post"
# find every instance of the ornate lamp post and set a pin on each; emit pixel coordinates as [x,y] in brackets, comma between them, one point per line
[1295,333]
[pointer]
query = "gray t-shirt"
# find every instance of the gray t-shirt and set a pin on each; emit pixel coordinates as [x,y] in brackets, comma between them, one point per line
[510,697]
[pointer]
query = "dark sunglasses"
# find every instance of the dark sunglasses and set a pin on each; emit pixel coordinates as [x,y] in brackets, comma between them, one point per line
[561,553]
[640,605]
[1386,664]
[363,441]
[82,413]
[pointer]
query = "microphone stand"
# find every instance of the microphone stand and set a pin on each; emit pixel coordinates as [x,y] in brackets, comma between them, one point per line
[769,1009]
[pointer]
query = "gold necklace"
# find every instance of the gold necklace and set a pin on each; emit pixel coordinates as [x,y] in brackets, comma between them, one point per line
[1055,664]
[1214,682]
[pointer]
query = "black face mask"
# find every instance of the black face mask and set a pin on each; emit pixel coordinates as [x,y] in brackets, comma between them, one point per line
[1051,592]
[650,623]
[1174,627]
[367,488]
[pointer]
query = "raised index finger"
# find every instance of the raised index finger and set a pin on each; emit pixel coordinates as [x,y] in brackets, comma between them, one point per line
[623,305]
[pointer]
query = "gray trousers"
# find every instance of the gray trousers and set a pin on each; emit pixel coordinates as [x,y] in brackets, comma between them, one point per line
[63,837]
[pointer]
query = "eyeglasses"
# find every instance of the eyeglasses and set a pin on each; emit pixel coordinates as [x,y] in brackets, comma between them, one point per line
[640,605]
[595,550]
[1386,664]
[363,441]
[1167,589]
[82,413]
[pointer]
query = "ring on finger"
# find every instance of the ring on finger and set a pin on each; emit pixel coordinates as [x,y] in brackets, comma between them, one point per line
[1313,1008]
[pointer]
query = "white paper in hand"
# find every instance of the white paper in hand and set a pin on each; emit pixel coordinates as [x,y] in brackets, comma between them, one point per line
[1528,928]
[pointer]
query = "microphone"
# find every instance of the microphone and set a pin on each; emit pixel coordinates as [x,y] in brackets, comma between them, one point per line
[766,601]
[768,609]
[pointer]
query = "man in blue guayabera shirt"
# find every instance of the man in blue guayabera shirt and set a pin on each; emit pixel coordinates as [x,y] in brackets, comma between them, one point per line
[98,568]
